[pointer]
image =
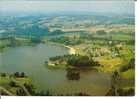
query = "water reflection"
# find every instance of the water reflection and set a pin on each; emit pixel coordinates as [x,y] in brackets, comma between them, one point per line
[73,74]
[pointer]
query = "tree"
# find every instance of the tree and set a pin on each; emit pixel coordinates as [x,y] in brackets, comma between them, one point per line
[115,83]
[20,92]
[36,40]
[13,42]
[101,32]
[82,61]
[130,65]
[22,74]
[3,74]
[30,88]
[17,74]
[12,84]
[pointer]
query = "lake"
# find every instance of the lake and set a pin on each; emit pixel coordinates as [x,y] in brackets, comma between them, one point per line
[30,59]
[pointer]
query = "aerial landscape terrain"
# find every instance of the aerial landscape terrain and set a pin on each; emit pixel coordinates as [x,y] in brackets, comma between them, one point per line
[67,48]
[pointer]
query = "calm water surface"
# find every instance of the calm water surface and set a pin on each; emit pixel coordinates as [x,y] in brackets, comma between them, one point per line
[30,59]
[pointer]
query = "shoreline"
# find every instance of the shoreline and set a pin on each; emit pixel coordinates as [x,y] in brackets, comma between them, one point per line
[71,49]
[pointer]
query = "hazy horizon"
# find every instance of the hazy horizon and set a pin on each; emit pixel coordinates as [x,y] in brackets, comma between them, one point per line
[49,6]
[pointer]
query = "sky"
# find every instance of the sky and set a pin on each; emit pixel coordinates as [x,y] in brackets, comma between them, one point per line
[107,6]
